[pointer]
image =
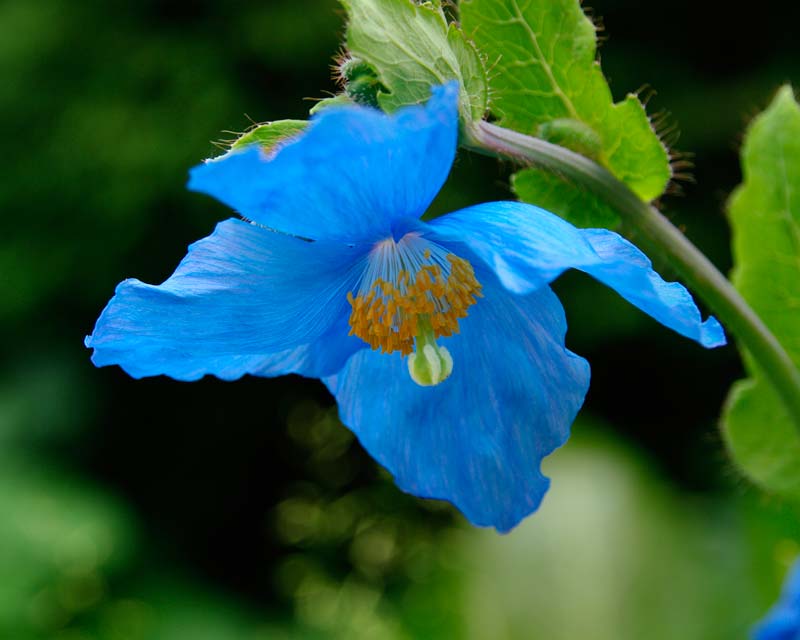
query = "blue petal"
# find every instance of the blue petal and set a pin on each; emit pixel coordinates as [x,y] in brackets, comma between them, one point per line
[349,176]
[783,620]
[781,623]
[476,439]
[528,247]
[791,587]
[325,356]
[244,300]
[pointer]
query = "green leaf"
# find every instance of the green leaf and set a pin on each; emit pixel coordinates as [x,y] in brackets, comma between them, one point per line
[761,436]
[339,100]
[412,47]
[545,81]
[572,202]
[270,134]
[765,216]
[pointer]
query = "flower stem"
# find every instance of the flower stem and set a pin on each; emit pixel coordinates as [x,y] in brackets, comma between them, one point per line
[693,266]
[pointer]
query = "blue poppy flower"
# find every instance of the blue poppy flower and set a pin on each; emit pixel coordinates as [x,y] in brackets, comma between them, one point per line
[441,341]
[783,620]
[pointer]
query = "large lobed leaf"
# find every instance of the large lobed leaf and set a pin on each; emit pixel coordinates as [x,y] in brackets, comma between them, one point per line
[571,201]
[545,81]
[765,215]
[412,47]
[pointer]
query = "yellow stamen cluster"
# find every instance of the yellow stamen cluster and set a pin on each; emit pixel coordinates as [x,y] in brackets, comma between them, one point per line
[387,317]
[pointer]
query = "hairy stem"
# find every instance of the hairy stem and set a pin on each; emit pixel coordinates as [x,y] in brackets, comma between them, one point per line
[697,270]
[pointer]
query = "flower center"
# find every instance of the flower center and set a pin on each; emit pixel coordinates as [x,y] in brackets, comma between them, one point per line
[412,292]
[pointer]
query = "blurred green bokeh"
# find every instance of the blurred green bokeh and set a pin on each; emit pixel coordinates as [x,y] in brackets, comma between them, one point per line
[156,510]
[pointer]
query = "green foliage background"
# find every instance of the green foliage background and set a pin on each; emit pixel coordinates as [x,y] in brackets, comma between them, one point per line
[158,510]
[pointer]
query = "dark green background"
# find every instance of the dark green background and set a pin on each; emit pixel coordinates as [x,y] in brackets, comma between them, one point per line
[162,510]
